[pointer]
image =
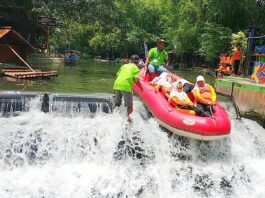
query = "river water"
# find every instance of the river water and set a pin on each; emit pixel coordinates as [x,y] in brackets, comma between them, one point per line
[77,155]
[88,77]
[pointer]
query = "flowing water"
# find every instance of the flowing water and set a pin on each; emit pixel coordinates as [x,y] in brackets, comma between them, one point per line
[77,155]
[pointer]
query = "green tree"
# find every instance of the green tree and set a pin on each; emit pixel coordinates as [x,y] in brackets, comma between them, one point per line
[189,26]
[239,39]
[214,40]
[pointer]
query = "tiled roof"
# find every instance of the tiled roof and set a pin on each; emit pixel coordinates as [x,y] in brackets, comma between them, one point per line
[11,37]
[4,31]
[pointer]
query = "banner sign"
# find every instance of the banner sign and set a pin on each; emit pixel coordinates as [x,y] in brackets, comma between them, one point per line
[46,21]
[258,73]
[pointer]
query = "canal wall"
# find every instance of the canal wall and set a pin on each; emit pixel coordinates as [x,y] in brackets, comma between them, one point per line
[12,102]
[249,97]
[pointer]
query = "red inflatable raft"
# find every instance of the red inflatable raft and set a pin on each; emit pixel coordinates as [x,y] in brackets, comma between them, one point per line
[202,128]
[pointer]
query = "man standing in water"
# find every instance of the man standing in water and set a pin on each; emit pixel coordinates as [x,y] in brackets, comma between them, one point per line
[157,58]
[126,76]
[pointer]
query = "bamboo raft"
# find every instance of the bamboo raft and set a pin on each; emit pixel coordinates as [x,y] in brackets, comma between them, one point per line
[30,74]
[22,72]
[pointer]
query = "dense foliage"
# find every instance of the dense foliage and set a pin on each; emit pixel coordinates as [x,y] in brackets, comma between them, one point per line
[100,27]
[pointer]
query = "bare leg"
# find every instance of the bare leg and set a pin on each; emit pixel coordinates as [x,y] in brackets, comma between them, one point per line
[129,111]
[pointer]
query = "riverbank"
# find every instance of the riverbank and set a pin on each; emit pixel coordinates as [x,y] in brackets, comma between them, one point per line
[249,97]
[44,59]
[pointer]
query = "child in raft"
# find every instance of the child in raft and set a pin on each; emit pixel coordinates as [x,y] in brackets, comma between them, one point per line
[179,99]
[164,81]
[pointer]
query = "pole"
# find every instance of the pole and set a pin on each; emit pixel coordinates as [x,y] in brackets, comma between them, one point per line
[112,52]
[48,35]
[252,34]
[20,58]
[145,50]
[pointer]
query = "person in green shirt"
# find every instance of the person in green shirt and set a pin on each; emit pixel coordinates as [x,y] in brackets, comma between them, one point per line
[127,75]
[157,58]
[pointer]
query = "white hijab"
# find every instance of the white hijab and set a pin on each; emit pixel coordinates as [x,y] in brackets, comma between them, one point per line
[196,87]
[181,95]
[162,80]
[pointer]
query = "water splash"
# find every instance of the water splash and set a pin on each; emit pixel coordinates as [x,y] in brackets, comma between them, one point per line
[51,155]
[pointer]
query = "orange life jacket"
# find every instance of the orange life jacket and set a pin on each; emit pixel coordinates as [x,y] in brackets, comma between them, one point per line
[222,59]
[175,101]
[237,55]
[206,92]
[228,60]
[187,111]
[228,70]
[223,69]
[220,68]
[162,88]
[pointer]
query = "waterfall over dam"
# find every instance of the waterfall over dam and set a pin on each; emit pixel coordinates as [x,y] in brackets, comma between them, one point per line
[64,145]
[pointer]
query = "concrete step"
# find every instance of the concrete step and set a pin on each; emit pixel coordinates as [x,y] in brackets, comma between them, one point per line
[37,55]
[43,59]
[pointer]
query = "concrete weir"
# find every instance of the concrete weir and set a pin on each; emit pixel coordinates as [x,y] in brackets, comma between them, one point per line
[65,104]
[248,97]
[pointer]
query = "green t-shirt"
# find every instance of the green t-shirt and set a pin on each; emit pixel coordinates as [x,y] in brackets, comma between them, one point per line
[158,58]
[126,76]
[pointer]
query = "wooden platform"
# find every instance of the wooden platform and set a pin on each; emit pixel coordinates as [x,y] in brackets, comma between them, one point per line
[3,66]
[30,74]
[15,70]
[23,72]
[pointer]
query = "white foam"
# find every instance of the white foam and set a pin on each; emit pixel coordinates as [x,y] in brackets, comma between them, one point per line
[46,155]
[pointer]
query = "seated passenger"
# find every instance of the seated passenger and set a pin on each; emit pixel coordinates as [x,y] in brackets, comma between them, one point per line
[162,82]
[227,66]
[224,67]
[228,60]
[187,86]
[179,99]
[205,96]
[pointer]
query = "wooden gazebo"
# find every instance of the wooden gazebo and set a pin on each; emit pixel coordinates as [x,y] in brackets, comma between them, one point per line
[13,56]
